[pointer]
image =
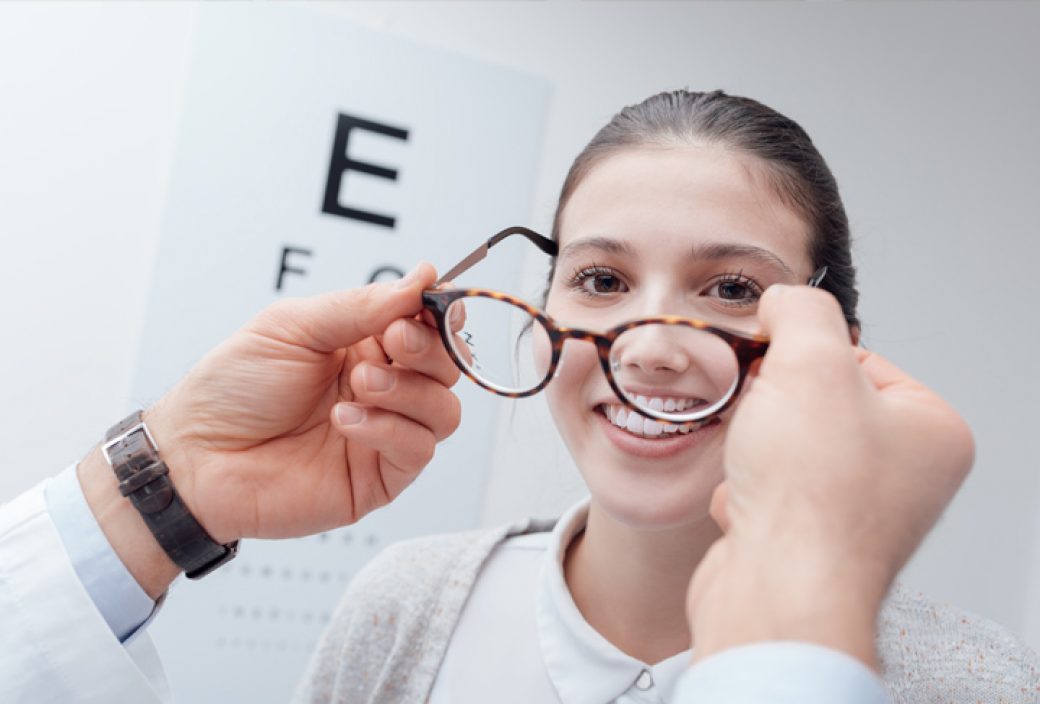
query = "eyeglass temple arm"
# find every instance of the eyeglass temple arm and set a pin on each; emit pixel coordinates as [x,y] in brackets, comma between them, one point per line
[543,243]
[549,247]
[816,278]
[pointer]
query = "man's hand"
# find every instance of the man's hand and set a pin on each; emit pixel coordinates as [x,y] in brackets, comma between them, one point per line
[299,422]
[837,465]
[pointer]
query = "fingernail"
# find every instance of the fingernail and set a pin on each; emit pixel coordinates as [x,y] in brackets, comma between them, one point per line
[408,279]
[377,379]
[414,339]
[349,414]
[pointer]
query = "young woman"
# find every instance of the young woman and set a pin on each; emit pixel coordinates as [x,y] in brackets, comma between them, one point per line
[688,204]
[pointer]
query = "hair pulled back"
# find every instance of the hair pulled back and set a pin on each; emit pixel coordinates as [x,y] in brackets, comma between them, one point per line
[793,166]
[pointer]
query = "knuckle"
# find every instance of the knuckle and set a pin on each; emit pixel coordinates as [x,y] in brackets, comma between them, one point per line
[822,299]
[452,373]
[286,320]
[365,297]
[359,303]
[452,416]
[278,315]
[426,451]
[419,442]
[817,356]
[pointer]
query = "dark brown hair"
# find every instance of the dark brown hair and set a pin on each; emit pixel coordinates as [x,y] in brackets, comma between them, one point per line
[795,169]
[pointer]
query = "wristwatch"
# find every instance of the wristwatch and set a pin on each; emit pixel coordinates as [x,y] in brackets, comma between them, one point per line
[145,479]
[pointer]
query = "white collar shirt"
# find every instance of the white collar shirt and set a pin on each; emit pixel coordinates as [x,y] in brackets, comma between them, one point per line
[521,637]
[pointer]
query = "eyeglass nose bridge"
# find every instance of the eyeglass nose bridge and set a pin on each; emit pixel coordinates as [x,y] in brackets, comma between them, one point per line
[561,335]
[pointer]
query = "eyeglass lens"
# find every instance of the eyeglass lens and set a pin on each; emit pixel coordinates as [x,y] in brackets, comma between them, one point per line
[673,372]
[495,340]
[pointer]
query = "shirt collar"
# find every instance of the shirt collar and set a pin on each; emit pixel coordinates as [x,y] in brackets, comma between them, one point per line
[584,667]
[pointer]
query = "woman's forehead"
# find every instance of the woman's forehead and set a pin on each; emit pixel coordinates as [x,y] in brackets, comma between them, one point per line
[657,200]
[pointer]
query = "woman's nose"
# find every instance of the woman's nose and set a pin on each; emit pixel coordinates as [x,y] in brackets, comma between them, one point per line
[653,349]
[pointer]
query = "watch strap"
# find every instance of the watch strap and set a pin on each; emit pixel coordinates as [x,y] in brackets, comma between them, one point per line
[145,479]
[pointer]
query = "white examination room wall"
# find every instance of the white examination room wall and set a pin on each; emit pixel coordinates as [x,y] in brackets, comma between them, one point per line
[927,113]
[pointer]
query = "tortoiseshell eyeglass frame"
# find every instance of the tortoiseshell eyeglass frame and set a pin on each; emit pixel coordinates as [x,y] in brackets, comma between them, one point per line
[746,347]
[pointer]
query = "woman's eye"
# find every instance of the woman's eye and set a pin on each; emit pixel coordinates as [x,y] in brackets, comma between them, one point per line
[736,290]
[598,282]
[603,283]
[732,290]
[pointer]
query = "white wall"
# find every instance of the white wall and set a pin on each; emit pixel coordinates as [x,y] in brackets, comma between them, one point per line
[927,113]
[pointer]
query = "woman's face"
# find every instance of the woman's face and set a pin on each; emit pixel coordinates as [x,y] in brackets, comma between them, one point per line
[691,231]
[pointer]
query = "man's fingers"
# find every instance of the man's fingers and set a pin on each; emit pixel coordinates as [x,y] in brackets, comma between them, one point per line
[717,510]
[882,373]
[457,316]
[339,319]
[802,312]
[417,346]
[807,332]
[403,446]
[408,393]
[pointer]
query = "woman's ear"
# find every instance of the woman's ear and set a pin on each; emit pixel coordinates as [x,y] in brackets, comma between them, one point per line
[854,334]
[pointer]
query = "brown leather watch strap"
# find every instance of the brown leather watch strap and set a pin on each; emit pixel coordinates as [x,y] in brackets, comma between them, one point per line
[145,479]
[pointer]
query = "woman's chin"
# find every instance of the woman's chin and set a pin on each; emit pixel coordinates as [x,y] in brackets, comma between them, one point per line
[656,515]
[653,500]
[647,483]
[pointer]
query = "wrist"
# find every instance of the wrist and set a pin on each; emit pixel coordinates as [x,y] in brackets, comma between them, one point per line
[145,479]
[185,463]
[123,526]
[778,591]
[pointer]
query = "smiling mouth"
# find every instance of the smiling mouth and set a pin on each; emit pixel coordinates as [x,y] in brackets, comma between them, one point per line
[640,426]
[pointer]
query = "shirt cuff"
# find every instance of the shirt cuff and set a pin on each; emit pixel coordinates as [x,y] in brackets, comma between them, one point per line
[122,602]
[781,673]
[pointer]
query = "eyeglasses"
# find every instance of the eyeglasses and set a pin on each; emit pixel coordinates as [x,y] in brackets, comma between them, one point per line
[667,368]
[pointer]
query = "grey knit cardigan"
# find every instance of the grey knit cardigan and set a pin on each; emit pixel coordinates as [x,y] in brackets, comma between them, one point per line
[391,630]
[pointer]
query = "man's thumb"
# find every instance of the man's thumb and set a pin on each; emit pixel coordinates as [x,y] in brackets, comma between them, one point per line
[339,319]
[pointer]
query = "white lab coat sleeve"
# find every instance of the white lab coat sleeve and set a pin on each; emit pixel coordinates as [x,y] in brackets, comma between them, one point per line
[55,646]
[122,602]
[780,673]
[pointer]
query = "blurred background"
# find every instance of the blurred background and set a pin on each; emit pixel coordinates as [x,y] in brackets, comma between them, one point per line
[926,112]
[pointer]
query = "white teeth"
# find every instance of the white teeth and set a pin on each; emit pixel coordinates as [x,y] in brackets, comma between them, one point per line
[670,405]
[642,401]
[635,423]
[639,425]
[622,417]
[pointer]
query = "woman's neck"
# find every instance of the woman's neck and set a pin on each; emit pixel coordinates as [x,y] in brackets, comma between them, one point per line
[630,584]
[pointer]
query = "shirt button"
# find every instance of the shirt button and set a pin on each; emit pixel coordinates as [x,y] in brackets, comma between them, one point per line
[645,681]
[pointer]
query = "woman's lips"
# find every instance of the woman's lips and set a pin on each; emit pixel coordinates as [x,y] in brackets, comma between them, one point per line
[654,447]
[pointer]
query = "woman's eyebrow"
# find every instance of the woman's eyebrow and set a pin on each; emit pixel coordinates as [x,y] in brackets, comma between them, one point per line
[727,250]
[601,244]
[703,251]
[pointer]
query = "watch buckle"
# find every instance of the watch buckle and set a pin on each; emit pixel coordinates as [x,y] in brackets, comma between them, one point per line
[107,447]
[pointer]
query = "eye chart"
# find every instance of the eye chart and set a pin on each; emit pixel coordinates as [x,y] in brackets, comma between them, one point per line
[313,156]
